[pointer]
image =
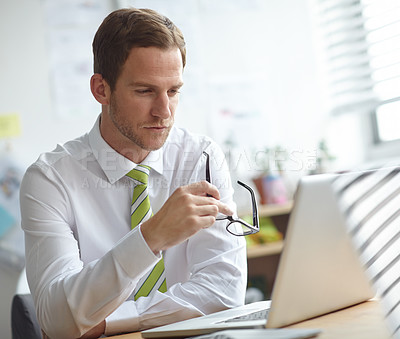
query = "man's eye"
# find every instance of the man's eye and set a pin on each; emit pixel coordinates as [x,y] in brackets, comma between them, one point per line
[143,91]
[173,92]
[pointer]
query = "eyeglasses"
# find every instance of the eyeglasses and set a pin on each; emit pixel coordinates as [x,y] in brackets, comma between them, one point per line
[237,226]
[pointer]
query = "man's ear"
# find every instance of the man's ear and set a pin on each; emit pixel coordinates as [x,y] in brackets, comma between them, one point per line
[100,89]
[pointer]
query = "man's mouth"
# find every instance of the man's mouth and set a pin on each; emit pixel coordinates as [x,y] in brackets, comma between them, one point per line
[156,127]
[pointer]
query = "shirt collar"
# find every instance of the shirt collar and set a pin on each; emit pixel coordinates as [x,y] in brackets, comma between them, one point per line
[114,165]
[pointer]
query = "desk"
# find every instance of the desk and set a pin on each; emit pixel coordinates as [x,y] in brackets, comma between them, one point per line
[363,321]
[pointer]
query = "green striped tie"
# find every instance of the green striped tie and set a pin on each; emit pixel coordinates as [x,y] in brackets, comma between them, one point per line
[140,212]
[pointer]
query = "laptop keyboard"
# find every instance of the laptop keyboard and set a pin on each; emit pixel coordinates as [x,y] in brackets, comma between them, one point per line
[258,315]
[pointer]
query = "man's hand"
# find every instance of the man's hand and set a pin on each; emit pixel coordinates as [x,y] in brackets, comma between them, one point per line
[187,211]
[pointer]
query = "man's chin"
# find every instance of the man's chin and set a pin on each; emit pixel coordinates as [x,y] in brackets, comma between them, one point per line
[155,143]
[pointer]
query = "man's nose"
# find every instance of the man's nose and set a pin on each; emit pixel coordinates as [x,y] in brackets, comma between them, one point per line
[161,106]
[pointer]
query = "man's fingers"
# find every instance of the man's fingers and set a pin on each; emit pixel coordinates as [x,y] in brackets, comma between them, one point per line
[210,201]
[203,188]
[186,211]
[205,210]
[224,208]
[208,221]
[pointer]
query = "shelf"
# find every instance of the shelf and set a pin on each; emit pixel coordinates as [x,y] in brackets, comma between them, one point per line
[271,248]
[265,249]
[271,209]
[276,209]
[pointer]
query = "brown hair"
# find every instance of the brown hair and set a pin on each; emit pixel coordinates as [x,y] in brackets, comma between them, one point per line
[126,28]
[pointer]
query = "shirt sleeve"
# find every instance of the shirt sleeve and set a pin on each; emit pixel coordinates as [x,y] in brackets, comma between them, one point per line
[218,270]
[70,297]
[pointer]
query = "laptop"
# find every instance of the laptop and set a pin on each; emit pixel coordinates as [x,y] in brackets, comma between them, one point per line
[319,272]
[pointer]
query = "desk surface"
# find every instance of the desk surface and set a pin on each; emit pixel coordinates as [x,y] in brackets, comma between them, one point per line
[363,321]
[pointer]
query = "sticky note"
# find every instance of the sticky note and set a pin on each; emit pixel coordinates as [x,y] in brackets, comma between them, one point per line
[10,125]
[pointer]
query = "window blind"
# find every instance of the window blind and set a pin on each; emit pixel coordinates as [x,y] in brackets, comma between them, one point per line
[361,43]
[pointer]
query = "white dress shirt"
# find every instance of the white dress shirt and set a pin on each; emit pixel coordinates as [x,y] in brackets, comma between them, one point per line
[83,261]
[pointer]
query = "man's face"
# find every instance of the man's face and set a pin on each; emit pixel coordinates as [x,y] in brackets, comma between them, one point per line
[143,103]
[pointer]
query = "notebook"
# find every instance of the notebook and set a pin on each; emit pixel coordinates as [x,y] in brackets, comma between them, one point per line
[319,271]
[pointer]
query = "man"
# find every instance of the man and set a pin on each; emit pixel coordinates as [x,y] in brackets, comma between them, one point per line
[86,267]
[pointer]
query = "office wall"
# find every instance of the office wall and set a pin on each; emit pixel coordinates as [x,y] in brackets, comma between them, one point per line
[256,65]
[25,81]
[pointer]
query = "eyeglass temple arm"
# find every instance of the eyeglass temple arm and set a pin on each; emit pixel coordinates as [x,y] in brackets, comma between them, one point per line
[254,201]
[208,176]
[253,198]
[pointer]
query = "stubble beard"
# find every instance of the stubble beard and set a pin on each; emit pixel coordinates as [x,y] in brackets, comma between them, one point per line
[128,132]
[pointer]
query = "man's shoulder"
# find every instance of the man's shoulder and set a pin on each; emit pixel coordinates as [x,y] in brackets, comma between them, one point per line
[71,151]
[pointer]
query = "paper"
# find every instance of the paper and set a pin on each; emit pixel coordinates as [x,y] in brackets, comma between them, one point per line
[9,125]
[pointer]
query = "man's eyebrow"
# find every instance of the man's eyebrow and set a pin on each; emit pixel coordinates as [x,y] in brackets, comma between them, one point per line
[179,85]
[139,84]
[145,84]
